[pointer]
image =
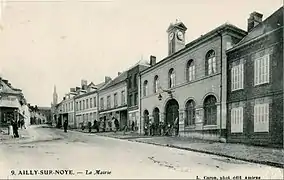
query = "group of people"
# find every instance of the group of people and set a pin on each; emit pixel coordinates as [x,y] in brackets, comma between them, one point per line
[96,125]
[167,129]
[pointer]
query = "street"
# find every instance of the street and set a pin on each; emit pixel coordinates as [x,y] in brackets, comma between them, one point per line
[51,153]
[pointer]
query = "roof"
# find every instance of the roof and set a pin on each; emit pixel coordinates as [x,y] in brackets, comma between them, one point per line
[44,108]
[271,23]
[141,63]
[198,41]
[118,79]
[7,88]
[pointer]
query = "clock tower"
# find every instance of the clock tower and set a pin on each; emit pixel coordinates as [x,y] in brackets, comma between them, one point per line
[176,37]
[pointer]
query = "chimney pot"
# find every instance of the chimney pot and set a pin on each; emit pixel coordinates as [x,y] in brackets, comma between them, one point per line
[152,60]
[119,73]
[107,79]
[254,19]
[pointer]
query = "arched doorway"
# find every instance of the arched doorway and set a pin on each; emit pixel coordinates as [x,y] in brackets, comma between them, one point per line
[156,115]
[172,117]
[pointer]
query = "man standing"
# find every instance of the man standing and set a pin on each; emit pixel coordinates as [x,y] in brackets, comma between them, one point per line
[15,128]
[116,123]
[65,125]
[90,126]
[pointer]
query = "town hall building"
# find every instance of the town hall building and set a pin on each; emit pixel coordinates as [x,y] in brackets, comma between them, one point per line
[189,85]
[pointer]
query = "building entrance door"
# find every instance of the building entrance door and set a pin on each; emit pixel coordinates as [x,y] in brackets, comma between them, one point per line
[172,117]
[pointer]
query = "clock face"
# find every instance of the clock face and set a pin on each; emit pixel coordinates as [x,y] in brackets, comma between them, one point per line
[180,35]
[171,36]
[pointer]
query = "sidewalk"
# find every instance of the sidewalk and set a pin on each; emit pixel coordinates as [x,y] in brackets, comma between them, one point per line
[118,135]
[30,134]
[255,154]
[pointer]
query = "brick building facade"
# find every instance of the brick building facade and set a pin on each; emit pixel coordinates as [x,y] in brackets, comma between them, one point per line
[133,94]
[187,89]
[255,83]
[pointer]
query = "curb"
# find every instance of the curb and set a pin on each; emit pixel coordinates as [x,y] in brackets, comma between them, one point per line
[274,164]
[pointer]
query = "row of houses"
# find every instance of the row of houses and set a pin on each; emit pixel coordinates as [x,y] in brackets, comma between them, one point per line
[225,85]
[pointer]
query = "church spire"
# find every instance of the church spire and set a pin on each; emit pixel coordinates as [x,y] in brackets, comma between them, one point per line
[55,96]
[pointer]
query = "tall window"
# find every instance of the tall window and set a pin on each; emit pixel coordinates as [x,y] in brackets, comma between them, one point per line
[102,103]
[237,77]
[77,106]
[145,88]
[122,97]
[91,103]
[84,105]
[87,103]
[130,82]
[135,99]
[211,62]
[108,102]
[190,70]
[261,70]
[135,80]
[237,120]
[190,113]
[80,105]
[95,101]
[130,100]
[172,78]
[156,84]
[261,118]
[210,109]
[115,99]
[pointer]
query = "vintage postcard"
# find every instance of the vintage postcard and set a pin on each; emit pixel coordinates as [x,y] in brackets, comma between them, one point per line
[138,89]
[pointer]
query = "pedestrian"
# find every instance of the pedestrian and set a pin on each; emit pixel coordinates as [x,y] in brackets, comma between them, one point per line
[132,126]
[65,125]
[151,127]
[176,126]
[15,128]
[90,126]
[116,124]
[96,125]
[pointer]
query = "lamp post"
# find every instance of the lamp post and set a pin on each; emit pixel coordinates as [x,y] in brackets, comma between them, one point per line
[170,93]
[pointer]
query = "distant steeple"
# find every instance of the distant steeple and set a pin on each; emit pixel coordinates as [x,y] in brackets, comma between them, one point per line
[55,96]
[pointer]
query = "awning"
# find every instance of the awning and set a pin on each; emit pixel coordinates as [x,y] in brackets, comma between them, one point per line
[12,103]
[113,110]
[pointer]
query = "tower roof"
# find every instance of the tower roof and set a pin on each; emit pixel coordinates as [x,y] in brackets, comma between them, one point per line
[178,24]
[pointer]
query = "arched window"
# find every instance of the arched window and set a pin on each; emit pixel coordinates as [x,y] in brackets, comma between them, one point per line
[172,78]
[190,113]
[211,62]
[145,88]
[190,70]
[210,110]
[156,84]
[146,117]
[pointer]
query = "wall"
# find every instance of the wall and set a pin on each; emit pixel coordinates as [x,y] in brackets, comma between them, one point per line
[271,92]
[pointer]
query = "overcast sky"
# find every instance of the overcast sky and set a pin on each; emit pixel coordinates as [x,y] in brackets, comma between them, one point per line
[47,43]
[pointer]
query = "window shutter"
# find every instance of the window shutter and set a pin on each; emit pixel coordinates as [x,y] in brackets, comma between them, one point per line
[242,119]
[268,67]
[232,121]
[242,76]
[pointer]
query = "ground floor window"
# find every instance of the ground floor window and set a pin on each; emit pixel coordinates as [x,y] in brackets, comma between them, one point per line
[261,118]
[237,120]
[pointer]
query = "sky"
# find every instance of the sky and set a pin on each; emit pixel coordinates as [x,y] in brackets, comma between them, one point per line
[47,43]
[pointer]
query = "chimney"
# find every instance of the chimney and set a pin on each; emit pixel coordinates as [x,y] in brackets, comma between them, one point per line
[107,79]
[152,60]
[254,19]
[119,73]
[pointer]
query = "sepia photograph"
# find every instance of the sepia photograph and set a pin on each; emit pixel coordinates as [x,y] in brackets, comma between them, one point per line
[140,89]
